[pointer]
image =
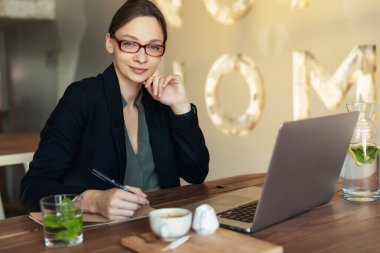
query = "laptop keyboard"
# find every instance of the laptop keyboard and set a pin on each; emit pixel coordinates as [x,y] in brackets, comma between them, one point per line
[244,213]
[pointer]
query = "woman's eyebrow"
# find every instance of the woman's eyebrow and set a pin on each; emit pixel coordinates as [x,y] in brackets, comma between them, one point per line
[156,41]
[137,39]
[129,36]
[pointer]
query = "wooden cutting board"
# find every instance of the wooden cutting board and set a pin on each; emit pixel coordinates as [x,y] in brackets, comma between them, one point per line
[222,240]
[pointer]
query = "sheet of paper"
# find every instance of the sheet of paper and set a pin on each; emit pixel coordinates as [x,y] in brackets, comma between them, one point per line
[91,220]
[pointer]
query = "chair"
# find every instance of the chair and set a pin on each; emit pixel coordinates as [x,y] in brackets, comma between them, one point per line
[12,159]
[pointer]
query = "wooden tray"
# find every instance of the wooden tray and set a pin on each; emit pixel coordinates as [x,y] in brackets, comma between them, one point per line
[222,240]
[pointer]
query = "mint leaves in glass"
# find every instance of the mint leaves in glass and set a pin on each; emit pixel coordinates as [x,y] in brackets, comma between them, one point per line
[361,167]
[62,221]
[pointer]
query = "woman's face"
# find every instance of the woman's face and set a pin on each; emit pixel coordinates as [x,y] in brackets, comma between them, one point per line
[136,67]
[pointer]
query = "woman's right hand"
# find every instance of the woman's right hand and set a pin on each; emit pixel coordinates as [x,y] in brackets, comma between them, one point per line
[114,204]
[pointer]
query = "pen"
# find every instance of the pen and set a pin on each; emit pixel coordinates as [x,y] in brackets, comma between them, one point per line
[103,177]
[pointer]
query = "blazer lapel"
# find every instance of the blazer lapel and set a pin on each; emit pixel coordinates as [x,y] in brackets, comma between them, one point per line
[115,109]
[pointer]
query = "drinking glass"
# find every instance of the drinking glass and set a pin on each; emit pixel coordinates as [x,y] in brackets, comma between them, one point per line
[62,221]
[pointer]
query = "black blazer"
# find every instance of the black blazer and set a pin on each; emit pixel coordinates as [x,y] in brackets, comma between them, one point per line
[86,130]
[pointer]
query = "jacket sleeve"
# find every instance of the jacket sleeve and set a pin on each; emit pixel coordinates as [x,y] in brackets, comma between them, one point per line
[191,151]
[57,151]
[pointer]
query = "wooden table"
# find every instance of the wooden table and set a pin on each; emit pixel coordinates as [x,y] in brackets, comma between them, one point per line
[339,226]
[16,148]
[13,143]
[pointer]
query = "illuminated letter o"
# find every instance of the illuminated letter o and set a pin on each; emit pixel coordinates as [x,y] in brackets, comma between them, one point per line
[246,67]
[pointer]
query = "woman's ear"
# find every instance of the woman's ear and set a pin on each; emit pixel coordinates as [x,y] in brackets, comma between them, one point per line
[109,46]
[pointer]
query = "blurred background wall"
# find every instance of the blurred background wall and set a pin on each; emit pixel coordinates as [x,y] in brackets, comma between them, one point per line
[40,58]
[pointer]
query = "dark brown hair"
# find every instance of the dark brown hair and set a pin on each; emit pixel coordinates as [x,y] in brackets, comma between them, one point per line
[137,8]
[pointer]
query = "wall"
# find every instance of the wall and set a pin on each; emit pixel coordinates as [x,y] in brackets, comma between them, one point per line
[39,58]
[268,35]
[31,71]
[82,27]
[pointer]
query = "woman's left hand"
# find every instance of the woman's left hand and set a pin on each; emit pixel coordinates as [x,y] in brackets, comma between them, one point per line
[169,90]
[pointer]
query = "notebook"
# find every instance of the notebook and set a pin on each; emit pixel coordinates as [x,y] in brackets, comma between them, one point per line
[303,171]
[94,220]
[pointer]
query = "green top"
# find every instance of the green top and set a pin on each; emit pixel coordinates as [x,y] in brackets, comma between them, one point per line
[140,169]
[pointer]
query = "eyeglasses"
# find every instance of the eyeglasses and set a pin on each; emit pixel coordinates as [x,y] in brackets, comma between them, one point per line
[133,47]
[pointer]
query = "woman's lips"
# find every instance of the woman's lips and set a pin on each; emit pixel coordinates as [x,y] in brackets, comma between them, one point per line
[138,71]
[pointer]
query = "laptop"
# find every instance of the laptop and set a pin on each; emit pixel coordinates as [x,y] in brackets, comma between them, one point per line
[304,168]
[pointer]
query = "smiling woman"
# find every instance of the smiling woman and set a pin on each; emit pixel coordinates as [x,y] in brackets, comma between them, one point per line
[134,127]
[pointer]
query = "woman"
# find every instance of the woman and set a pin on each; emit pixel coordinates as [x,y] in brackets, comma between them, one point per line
[134,127]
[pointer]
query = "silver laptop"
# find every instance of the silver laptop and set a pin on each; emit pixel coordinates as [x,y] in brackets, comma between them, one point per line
[305,166]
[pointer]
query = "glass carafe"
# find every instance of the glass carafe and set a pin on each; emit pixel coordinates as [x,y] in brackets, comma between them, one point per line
[361,167]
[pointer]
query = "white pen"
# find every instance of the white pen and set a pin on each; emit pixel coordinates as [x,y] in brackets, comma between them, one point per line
[175,244]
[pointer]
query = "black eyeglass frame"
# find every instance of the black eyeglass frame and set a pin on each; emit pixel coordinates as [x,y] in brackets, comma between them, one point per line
[140,46]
